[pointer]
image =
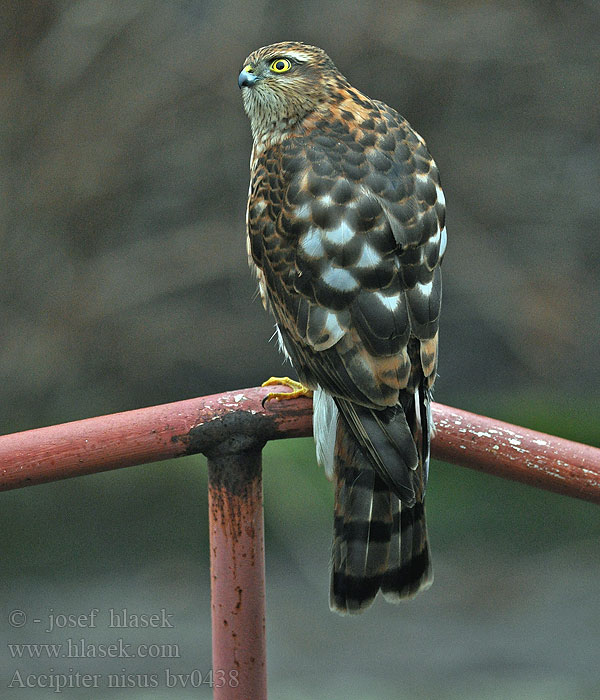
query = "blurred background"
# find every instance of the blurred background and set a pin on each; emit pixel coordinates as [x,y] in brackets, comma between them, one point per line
[124,156]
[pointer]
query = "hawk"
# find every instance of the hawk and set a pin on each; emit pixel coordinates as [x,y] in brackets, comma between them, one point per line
[346,234]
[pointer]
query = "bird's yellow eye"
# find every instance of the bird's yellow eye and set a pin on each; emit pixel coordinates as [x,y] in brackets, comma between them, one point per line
[248,69]
[281,65]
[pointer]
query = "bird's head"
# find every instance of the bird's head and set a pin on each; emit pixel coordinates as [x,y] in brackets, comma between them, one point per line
[284,82]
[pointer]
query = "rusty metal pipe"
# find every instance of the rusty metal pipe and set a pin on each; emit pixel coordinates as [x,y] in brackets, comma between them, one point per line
[192,426]
[146,435]
[237,575]
[516,453]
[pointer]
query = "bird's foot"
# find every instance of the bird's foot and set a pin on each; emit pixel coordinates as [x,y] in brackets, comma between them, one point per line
[297,388]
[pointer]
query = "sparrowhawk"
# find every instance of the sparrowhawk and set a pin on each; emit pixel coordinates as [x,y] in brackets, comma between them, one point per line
[346,234]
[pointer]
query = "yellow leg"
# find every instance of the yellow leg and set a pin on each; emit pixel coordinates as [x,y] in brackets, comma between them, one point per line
[297,388]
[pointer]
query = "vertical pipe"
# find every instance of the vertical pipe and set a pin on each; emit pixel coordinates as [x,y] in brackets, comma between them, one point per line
[237,569]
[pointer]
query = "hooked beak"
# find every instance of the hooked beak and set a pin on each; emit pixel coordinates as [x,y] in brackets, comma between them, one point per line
[246,79]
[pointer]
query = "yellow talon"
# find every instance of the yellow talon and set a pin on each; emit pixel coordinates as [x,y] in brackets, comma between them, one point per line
[297,388]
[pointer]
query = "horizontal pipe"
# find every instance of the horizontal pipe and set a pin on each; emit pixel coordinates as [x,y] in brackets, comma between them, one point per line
[516,453]
[146,435]
[197,425]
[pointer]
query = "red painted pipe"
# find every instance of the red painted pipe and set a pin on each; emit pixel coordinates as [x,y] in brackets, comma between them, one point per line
[516,453]
[145,435]
[187,427]
[231,430]
[237,576]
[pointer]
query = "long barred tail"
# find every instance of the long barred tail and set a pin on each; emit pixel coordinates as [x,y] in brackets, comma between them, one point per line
[379,543]
[409,568]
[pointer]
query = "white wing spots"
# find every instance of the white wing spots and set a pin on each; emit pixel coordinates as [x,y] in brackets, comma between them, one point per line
[424,289]
[311,243]
[259,206]
[339,235]
[340,279]
[435,239]
[368,258]
[331,333]
[440,195]
[443,242]
[303,211]
[332,326]
[390,302]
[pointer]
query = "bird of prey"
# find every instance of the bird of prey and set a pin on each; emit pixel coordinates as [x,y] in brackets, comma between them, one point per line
[346,234]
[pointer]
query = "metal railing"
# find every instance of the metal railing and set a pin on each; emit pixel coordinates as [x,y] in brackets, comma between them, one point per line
[231,429]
